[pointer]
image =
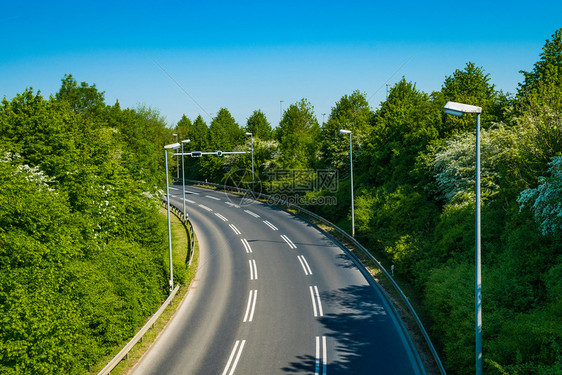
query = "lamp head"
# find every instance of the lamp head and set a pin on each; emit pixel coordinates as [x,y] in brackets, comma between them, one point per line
[173,146]
[458,109]
[186,141]
[343,131]
[249,134]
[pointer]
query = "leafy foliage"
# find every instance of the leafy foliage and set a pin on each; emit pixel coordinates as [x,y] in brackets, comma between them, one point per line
[404,126]
[297,135]
[258,125]
[81,242]
[471,85]
[546,199]
[454,163]
[546,76]
[351,113]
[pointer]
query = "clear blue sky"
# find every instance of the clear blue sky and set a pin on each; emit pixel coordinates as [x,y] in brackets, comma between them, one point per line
[248,55]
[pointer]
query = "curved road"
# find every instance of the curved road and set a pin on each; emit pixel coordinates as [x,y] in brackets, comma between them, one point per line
[273,295]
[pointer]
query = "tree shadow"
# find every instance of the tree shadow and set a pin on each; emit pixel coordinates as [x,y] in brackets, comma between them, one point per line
[361,335]
[344,261]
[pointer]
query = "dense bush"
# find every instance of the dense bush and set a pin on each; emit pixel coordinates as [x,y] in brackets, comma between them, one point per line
[81,241]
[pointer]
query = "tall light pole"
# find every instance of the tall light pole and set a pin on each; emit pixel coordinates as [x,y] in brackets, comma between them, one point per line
[183,175]
[177,159]
[343,131]
[458,109]
[252,143]
[166,148]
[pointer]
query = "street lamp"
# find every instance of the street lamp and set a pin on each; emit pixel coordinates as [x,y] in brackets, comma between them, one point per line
[166,148]
[183,175]
[177,159]
[343,131]
[458,109]
[252,142]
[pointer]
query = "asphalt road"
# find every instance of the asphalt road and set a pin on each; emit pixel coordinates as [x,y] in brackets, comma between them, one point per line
[273,295]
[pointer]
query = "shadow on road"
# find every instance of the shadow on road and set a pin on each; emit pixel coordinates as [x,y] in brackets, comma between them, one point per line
[361,336]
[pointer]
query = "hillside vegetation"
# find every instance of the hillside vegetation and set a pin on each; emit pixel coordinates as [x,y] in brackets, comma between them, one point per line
[82,246]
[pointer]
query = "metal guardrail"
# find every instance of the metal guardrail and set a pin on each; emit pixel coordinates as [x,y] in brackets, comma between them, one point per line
[279,202]
[187,222]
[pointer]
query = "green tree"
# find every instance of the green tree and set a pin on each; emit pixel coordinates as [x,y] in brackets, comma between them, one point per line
[224,135]
[403,127]
[224,132]
[83,99]
[545,80]
[42,132]
[298,134]
[183,128]
[539,111]
[199,134]
[471,86]
[352,113]
[143,131]
[258,125]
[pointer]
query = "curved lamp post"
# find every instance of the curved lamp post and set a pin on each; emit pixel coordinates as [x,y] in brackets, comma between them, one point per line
[458,109]
[177,159]
[343,131]
[252,142]
[183,176]
[166,148]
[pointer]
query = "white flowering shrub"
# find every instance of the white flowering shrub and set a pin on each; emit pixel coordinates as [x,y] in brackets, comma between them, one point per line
[455,164]
[546,200]
[30,174]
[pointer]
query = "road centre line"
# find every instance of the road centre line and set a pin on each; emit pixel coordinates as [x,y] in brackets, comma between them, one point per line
[220,216]
[192,192]
[305,266]
[246,245]
[321,347]
[253,269]
[289,242]
[232,204]
[251,213]
[215,198]
[206,208]
[316,299]
[236,352]
[270,225]
[189,201]
[251,306]
[236,231]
